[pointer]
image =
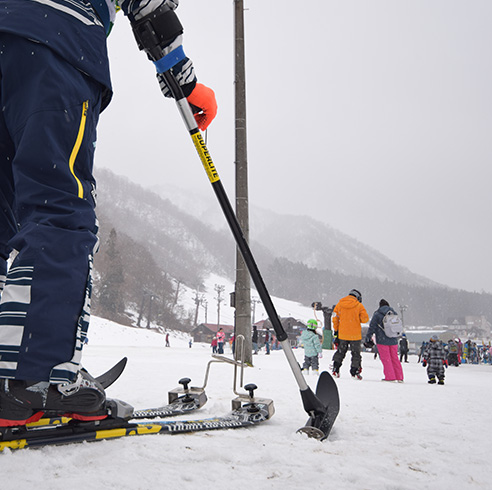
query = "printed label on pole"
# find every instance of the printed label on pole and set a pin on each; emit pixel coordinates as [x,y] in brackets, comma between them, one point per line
[205,157]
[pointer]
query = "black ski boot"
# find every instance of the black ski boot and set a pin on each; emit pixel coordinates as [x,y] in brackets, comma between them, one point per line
[22,402]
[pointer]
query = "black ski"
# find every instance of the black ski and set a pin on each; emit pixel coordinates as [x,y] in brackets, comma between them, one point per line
[245,415]
[320,423]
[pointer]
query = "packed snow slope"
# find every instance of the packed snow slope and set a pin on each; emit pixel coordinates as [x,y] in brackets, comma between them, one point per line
[387,436]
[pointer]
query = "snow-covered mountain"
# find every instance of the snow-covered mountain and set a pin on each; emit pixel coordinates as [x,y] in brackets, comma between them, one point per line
[186,232]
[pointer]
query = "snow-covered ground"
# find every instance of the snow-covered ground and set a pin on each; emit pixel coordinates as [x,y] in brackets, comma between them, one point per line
[387,436]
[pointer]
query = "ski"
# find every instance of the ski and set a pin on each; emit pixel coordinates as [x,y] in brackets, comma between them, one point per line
[249,414]
[179,407]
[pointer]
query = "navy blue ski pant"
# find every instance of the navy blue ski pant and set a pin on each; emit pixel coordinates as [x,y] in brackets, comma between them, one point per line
[47,220]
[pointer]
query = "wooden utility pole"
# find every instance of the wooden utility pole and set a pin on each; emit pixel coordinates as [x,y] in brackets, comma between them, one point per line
[243,291]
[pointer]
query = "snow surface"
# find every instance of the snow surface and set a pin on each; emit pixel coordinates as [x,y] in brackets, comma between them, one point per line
[387,436]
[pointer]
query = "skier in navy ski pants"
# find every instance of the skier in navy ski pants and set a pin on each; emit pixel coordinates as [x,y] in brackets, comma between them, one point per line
[47,139]
[54,82]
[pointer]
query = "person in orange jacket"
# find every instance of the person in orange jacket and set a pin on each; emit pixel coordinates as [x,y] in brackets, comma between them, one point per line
[347,317]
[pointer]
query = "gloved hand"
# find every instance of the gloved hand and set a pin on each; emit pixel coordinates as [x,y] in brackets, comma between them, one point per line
[369,344]
[445,362]
[424,362]
[204,105]
[320,355]
[336,340]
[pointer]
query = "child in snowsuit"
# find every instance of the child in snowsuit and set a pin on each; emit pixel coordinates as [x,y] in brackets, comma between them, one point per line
[312,347]
[435,359]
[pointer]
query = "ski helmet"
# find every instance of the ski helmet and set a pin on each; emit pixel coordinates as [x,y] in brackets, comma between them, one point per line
[312,324]
[356,294]
[434,338]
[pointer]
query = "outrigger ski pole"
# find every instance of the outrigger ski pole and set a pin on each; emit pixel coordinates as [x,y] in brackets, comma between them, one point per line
[316,409]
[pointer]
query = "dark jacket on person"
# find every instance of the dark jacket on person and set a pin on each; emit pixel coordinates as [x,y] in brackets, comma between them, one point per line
[403,345]
[376,327]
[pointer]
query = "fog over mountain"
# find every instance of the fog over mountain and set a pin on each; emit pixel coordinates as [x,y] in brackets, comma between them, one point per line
[183,237]
[297,238]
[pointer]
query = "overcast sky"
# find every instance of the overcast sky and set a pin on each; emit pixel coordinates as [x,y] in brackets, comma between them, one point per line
[372,116]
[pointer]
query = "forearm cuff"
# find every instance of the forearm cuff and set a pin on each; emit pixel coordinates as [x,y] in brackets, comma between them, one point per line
[170,60]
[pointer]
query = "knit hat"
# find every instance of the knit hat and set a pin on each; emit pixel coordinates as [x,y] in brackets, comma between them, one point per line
[383,302]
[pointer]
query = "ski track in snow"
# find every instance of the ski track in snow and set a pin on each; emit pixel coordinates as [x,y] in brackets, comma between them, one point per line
[387,436]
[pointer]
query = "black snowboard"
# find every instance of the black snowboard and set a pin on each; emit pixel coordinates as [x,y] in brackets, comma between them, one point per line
[319,425]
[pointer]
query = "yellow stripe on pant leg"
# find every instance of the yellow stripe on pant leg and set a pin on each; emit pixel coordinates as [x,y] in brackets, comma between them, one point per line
[76,147]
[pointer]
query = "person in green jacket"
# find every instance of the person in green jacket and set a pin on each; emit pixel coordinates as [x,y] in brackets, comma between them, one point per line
[312,347]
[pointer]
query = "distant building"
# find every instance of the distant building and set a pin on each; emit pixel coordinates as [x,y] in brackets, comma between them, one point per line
[292,327]
[471,326]
[205,332]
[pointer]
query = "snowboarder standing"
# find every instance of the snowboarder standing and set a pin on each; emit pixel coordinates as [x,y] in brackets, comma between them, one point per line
[387,346]
[312,347]
[55,81]
[435,359]
[347,317]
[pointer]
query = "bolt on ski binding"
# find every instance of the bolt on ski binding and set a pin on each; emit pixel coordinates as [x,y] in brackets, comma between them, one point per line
[186,394]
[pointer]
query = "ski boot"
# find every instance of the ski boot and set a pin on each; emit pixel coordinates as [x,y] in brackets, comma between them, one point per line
[440,382]
[432,380]
[22,402]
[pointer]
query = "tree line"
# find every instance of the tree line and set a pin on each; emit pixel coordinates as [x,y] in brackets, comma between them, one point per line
[427,305]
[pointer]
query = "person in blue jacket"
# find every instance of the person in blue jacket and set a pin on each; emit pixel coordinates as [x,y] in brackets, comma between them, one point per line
[387,346]
[312,347]
[54,83]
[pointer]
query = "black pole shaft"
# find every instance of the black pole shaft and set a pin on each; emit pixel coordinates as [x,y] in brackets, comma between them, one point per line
[249,260]
[225,204]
